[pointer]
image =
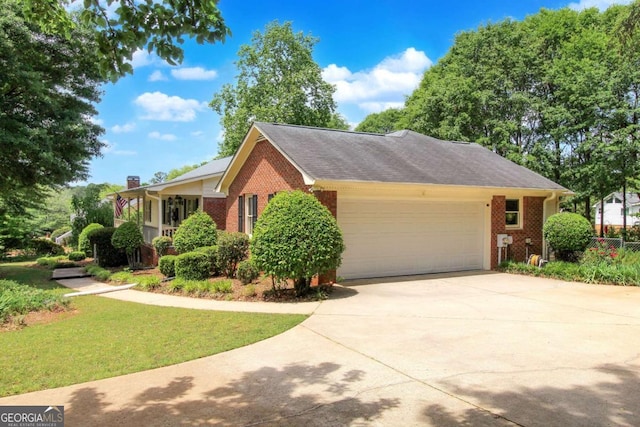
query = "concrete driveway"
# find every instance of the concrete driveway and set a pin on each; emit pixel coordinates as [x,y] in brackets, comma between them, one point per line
[443,350]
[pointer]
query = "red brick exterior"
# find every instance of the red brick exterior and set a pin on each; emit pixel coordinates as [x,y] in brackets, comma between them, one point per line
[217,210]
[149,255]
[532,221]
[265,172]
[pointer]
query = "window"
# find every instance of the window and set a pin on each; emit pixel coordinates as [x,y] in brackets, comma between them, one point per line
[512,213]
[247,212]
[147,213]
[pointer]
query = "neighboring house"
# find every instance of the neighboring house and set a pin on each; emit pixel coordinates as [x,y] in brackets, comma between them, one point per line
[406,203]
[614,211]
[167,204]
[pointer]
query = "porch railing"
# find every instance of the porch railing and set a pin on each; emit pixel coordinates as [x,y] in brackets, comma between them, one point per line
[168,231]
[118,222]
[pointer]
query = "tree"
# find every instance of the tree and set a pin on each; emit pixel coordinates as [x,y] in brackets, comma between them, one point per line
[175,173]
[158,177]
[48,88]
[386,121]
[129,238]
[296,237]
[278,81]
[157,26]
[195,232]
[89,207]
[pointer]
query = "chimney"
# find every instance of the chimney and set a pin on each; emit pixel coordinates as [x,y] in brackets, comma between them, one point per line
[133,182]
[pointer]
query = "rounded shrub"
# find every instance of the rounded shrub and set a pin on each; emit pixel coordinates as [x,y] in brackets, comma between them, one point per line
[76,256]
[129,238]
[568,234]
[167,265]
[247,271]
[195,232]
[107,255]
[161,244]
[296,238]
[44,246]
[84,245]
[193,266]
[232,248]
[212,253]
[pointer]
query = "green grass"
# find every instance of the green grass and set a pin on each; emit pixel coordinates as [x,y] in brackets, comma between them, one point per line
[106,338]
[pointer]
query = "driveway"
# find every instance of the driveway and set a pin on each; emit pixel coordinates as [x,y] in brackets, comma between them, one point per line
[443,350]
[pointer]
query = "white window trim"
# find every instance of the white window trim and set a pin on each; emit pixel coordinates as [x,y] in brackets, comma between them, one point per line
[517,226]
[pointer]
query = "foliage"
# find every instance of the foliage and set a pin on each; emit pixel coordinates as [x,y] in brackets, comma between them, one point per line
[196,231]
[52,262]
[384,122]
[177,172]
[567,233]
[212,253]
[77,256]
[167,265]
[121,277]
[296,238]
[148,282]
[44,246]
[161,244]
[98,272]
[601,253]
[107,255]
[249,291]
[17,299]
[59,232]
[192,266]
[247,271]
[128,237]
[157,27]
[49,86]
[84,245]
[233,247]
[88,208]
[158,177]
[278,81]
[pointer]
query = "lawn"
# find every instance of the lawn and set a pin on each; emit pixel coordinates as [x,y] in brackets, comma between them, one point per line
[103,338]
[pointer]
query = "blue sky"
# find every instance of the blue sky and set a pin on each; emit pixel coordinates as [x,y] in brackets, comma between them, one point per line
[375,52]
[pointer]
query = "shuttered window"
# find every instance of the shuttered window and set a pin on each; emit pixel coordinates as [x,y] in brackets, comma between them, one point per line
[241,213]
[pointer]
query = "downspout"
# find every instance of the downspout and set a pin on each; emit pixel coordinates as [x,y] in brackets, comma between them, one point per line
[146,192]
[552,197]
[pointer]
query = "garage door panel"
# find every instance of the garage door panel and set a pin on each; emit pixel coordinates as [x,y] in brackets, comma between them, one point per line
[385,238]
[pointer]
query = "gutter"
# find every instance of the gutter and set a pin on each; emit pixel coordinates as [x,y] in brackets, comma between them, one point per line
[545,252]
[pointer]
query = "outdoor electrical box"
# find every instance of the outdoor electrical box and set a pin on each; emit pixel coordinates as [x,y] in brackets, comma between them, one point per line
[504,240]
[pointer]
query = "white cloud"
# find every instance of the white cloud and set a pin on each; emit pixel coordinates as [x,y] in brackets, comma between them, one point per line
[141,58]
[600,4]
[125,128]
[157,76]
[194,73]
[382,87]
[197,133]
[110,148]
[162,107]
[162,136]
[96,121]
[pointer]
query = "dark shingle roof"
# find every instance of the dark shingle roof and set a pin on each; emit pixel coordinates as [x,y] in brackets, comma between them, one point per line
[400,157]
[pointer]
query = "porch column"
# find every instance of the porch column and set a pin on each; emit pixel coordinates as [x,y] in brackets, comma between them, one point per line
[160,215]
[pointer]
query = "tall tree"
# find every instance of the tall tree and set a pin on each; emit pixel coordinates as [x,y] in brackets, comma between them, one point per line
[48,88]
[157,26]
[278,81]
[383,122]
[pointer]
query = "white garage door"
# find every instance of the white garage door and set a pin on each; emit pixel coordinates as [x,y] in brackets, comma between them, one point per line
[393,238]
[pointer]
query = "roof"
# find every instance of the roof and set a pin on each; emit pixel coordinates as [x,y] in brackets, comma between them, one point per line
[400,157]
[632,198]
[208,170]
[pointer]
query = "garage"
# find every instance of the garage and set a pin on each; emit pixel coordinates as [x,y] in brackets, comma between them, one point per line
[403,237]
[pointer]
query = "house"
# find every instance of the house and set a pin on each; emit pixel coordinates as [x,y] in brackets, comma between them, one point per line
[406,203]
[610,211]
[167,204]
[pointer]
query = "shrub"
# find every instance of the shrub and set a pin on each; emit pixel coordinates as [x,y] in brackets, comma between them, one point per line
[77,256]
[192,266]
[16,299]
[167,265]
[249,291]
[46,247]
[602,253]
[296,238]
[98,272]
[232,248]
[107,255]
[122,277]
[161,244]
[195,232]
[59,232]
[51,262]
[148,282]
[247,271]
[84,245]
[129,238]
[222,287]
[212,253]
[568,234]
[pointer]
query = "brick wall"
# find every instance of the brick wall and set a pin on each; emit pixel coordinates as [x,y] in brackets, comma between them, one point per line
[265,172]
[532,221]
[217,210]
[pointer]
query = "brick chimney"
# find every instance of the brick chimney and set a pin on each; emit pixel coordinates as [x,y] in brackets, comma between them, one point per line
[133,182]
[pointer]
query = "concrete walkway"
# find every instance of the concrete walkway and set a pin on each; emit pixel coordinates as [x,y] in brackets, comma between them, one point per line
[479,349]
[151,298]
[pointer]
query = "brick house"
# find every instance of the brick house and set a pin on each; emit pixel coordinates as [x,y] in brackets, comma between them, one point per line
[406,203]
[167,204]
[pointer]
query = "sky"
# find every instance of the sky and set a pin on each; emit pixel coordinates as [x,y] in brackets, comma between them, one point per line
[374,52]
